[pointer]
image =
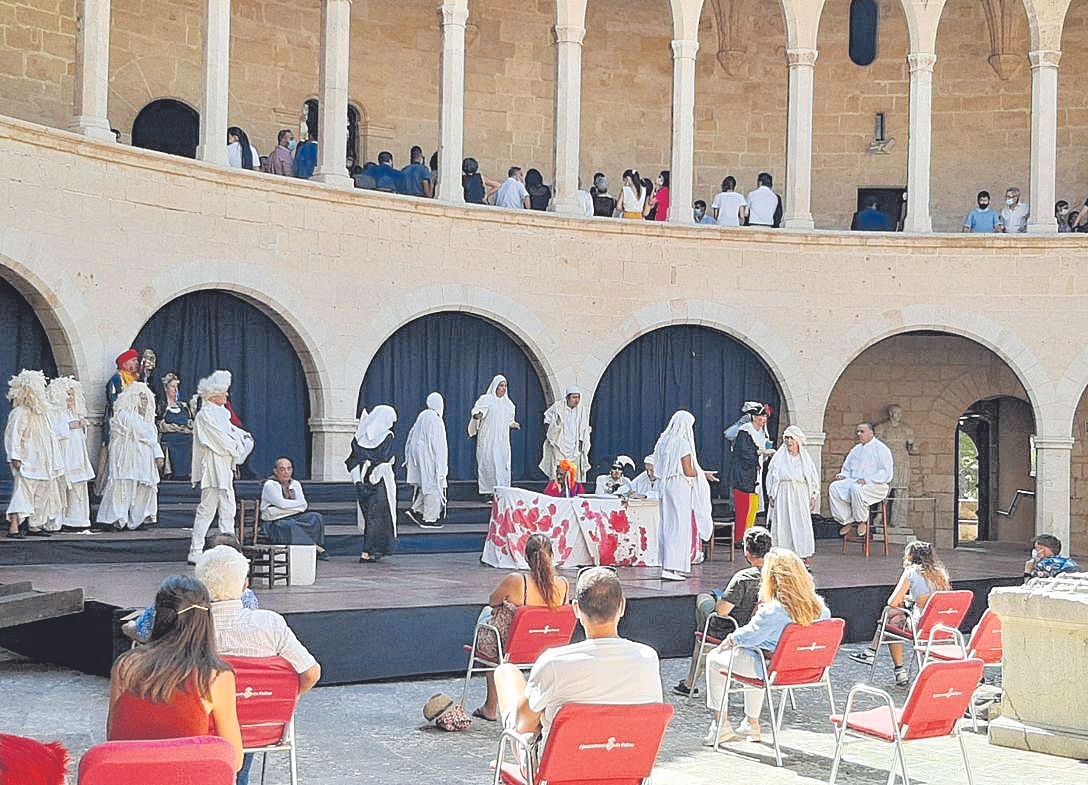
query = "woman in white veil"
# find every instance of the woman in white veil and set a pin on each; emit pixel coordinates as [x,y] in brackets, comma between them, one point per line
[793,488]
[371,468]
[426,456]
[492,418]
[685,496]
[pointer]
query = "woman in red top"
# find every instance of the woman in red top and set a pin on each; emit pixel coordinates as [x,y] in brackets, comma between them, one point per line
[175,685]
[661,199]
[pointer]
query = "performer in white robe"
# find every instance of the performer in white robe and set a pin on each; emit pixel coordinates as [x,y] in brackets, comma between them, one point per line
[793,488]
[615,483]
[568,435]
[131,496]
[493,415]
[864,479]
[646,484]
[426,455]
[685,496]
[218,446]
[33,452]
[70,415]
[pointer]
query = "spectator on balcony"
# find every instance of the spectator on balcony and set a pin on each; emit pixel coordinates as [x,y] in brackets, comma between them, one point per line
[604,205]
[1080,222]
[983,218]
[1014,216]
[386,177]
[700,214]
[281,161]
[1061,215]
[632,199]
[432,164]
[240,153]
[764,205]
[416,178]
[512,193]
[477,186]
[540,195]
[585,200]
[660,200]
[306,157]
[730,208]
[871,219]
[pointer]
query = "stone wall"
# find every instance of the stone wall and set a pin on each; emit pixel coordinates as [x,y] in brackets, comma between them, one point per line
[1079,487]
[37,59]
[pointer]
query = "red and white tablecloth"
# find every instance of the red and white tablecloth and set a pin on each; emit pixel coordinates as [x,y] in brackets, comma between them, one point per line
[583,530]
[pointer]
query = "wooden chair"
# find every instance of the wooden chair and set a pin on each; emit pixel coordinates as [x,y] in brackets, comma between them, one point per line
[268,563]
[723,530]
[878,510]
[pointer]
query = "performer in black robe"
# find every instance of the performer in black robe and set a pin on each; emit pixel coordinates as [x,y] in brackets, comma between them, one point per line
[371,468]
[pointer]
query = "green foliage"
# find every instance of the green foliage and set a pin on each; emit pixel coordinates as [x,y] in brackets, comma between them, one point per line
[968,455]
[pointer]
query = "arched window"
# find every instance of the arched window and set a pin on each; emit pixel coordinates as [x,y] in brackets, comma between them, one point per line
[864,28]
[168,126]
[310,122]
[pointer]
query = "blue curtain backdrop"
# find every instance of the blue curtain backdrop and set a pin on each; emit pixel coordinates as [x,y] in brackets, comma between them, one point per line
[457,355]
[204,331]
[680,367]
[23,344]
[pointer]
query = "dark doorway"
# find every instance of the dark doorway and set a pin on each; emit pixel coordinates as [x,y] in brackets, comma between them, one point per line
[168,126]
[973,455]
[891,202]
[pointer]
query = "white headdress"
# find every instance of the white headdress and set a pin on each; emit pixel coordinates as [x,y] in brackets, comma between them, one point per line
[58,393]
[375,426]
[129,401]
[28,388]
[623,460]
[216,384]
[436,403]
[649,459]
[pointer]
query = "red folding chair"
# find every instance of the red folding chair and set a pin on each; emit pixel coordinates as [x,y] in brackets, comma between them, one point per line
[208,760]
[533,631]
[935,705]
[947,608]
[267,694]
[608,744]
[803,659]
[704,644]
[985,645]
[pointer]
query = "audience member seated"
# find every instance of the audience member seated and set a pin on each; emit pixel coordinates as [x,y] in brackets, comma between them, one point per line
[645,484]
[565,484]
[284,516]
[738,601]
[177,684]
[602,669]
[787,596]
[386,178]
[540,588]
[1046,560]
[615,483]
[29,762]
[923,574]
[240,632]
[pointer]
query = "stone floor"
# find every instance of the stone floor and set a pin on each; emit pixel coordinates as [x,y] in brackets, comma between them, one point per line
[374,733]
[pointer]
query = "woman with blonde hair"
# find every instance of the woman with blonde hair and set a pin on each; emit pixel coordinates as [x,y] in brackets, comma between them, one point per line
[923,574]
[540,588]
[177,684]
[787,596]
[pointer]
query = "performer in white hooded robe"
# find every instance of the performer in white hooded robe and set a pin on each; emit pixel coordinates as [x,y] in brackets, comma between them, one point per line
[370,465]
[685,496]
[33,451]
[568,435]
[70,415]
[793,490]
[493,415]
[218,447]
[131,496]
[426,455]
[647,484]
[864,480]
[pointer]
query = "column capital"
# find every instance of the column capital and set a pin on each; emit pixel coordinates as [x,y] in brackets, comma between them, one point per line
[1044,58]
[569,34]
[453,14]
[922,61]
[684,49]
[815,438]
[801,57]
[1064,443]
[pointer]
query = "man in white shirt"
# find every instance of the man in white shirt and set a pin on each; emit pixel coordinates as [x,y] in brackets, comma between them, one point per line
[615,483]
[730,208]
[863,481]
[568,434]
[603,669]
[1014,216]
[512,194]
[646,483]
[763,203]
[285,519]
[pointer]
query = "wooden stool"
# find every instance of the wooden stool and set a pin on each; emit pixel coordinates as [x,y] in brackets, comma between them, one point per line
[878,509]
[721,526]
[268,563]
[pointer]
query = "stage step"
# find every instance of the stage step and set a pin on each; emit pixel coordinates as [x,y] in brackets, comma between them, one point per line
[21,604]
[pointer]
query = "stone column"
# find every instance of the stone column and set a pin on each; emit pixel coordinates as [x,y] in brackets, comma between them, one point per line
[213,113]
[683,130]
[90,107]
[568,117]
[1052,471]
[920,138]
[802,64]
[331,439]
[451,121]
[333,123]
[1044,140]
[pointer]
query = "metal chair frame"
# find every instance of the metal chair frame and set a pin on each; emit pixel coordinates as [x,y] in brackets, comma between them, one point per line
[918,646]
[705,647]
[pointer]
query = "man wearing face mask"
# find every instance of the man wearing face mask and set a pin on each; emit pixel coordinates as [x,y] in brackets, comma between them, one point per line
[983,219]
[701,216]
[1014,216]
[1061,215]
[282,159]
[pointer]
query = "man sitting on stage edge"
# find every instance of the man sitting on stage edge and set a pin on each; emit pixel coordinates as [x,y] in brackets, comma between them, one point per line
[863,480]
[738,601]
[240,632]
[284,516]
[603,669]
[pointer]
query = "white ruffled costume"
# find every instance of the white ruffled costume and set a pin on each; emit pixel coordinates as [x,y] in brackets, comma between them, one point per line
[31,438]
[69,411]
[131,495]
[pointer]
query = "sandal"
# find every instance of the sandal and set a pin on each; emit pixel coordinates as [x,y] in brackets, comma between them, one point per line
[479,712]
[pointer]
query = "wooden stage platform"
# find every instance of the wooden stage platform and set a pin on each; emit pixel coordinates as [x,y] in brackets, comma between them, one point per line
[410,614]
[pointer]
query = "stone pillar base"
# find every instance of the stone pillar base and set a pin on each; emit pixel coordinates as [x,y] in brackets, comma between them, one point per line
[901,535]
[1063,742]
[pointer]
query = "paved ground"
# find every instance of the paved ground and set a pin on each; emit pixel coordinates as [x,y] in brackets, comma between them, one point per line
[374,733]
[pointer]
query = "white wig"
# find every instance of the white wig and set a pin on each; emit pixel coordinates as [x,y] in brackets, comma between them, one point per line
[58,393]
[223,571]
[28,388]
[216,384]
[129,401]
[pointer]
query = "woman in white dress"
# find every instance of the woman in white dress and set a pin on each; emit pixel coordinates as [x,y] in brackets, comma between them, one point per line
[793,487]
[70,415]
[685,495]
[131,497]
[492,420]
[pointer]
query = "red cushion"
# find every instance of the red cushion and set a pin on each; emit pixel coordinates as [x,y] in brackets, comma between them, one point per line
[947,651]
[876,723]
[511,774]
[710,639]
